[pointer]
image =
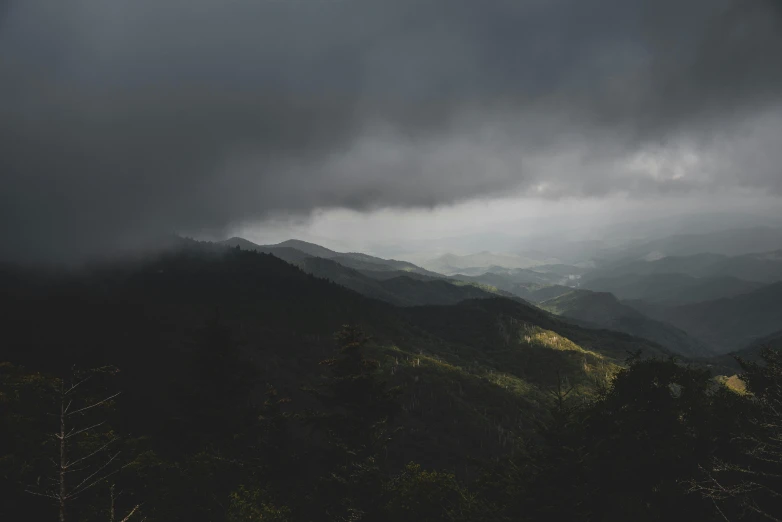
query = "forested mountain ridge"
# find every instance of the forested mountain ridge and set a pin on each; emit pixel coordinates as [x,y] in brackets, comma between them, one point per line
[398,288]
[126,315]
[728,324]
[511,279]
[354,260]
[606,311]
[728,242]
[481,396]
[762,267]
[413,288]
[651,318]
[396,282]
[229,280]
[670,289]
[451,264]
[729,363]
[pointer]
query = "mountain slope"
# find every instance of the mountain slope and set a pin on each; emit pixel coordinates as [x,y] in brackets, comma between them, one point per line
[604,310]
[349,278]
[464,370]
[286,253]
[670,289]
[451,264]
[493,325]
[359,261]
[436,292]
[751,352]
[727,365]
[293,250]
[540,293]
[515,281]
[733,242]
[763,267]
[562,270]
[397,282]
[308,248]
[355,260]
[400,290]
[727,324]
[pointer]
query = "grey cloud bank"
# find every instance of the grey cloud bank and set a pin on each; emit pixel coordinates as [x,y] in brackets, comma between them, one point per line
[123,119]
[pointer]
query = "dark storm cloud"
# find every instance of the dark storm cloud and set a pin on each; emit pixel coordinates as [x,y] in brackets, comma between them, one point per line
[120,119]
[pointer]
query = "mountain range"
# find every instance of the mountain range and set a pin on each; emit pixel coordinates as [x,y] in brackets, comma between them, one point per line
[670,288]
[293,249]
[726,242]
[480,364]
[604,310]
[763,267]
[727,324]
[396,282]
[663,307]
[475,370]
[451,264]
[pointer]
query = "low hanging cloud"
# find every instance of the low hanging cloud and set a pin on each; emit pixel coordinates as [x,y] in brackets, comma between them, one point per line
[123,119]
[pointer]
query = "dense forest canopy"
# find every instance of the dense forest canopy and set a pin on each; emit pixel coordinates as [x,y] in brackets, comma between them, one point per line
[212,383]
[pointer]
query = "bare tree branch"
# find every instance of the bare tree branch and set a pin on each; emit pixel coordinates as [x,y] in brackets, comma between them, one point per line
[132,511]
[74,386]
[72,433]
[94,405]
[47,495]
[68,470]
[71,463]
[79,489]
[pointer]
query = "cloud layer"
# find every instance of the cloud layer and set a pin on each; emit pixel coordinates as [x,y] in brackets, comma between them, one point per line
[123,119]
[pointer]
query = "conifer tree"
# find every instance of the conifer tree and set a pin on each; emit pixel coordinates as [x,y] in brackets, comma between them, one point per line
[360,406]
[746,484]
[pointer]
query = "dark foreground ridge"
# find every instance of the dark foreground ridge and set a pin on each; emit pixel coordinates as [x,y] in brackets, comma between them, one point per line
[237,402]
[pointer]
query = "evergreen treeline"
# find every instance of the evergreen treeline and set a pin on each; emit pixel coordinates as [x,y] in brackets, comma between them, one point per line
[661,442]
[228,403]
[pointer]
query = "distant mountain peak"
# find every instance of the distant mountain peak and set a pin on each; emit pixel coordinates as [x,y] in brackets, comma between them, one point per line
[239,241]
[308,248]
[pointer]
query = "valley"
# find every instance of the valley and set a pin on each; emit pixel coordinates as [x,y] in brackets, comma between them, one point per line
[695,306]
[478,367]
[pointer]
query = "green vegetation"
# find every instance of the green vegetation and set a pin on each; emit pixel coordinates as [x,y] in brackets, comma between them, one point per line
[238,402]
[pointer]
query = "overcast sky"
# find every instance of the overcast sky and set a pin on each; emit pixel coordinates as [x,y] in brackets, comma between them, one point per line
[359,120]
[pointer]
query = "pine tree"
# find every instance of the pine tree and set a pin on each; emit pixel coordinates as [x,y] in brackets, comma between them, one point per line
[360,407]
[746,483]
